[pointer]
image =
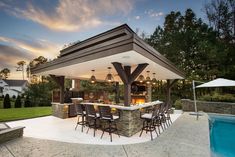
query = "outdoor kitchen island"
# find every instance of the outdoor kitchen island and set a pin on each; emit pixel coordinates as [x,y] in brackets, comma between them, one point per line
[130,122]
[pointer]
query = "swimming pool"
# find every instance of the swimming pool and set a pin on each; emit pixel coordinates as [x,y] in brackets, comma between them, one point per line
[222,135]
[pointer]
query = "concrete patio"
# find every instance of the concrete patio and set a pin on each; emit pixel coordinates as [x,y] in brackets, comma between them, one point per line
[53,128]
[185,137]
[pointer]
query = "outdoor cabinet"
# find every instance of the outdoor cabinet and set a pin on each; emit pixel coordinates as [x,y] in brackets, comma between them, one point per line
[72,111]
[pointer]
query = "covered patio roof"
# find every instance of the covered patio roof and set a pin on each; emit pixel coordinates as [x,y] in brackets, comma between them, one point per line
[98,53]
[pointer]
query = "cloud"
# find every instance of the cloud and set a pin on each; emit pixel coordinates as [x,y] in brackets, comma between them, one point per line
[34,47]
[153,13]
[9,56]
[71,15]
[13,50]
[137,17]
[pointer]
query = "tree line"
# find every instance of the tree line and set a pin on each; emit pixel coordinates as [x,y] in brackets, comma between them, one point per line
[204,51]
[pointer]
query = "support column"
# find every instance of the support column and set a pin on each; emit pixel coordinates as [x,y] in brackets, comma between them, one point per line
[170,83]
[117,92]
[127,86]
[60,81]
[149,93]
[127,94]
[61,89]
[128,78]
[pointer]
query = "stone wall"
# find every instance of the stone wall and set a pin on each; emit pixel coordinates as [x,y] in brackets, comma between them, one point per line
[60,110]
[206,106]
[129,122]
[63,111]
[10,134]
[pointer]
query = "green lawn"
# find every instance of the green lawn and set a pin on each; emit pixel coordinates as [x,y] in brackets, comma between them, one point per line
[23,113]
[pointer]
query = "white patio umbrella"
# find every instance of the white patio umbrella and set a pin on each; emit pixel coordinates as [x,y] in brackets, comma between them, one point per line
[220,82]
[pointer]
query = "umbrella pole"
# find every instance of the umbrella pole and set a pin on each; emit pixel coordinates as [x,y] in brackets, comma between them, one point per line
[194,97]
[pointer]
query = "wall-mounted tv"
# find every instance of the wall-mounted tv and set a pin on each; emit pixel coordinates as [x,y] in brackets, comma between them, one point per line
[135,88]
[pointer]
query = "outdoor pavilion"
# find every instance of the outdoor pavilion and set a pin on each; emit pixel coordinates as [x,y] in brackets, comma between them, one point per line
[119,48]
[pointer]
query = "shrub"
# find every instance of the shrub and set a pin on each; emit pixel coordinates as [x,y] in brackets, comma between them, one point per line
[218,97]
[44,103]
[226,98]
[13,97]
[18,102]
[6,102]
[27,102]
[178,105]
[206,97]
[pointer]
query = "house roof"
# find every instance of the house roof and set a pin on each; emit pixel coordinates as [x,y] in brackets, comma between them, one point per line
[15,82]
[120,44]
[15,90]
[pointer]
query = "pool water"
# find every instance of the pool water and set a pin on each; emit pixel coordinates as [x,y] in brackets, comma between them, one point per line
[222,135]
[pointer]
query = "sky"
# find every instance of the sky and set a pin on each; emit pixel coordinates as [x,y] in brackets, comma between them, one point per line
[33,28]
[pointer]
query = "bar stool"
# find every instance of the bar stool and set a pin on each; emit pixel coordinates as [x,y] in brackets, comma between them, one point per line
[81,113]
[157,118]
[92,117]
[149,122]
[163,116]
[108,118]
[168,117]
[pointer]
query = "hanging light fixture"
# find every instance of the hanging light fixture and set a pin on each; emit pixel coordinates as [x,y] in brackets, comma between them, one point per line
[93,79]
[141,79]
[109,78]
[154,80]
[148,80]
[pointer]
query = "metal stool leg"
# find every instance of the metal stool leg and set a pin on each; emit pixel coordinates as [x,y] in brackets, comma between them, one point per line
[77,123]
[142,129]
[94,127]
[116,129]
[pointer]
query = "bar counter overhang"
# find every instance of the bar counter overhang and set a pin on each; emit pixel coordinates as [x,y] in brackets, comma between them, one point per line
[119,48]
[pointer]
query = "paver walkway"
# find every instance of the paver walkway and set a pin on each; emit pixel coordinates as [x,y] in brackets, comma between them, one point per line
[186,137]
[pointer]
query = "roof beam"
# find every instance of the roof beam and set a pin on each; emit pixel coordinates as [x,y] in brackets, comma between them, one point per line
[138,71]
[128,78]
[121,72]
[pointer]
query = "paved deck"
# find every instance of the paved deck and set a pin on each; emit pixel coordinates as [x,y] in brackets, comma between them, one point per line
[53,128]
[186,137]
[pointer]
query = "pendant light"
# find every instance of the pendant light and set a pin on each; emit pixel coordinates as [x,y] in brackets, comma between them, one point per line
[141,79]
[93,79]
[109,78]
[148,80]
[154,80]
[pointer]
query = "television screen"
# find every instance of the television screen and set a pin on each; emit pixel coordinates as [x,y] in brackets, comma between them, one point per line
[141,88]
[137,89]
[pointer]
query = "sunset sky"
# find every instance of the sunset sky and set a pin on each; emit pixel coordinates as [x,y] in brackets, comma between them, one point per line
[32,28]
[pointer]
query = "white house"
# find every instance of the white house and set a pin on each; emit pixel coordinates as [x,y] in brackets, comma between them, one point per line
[12,87]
